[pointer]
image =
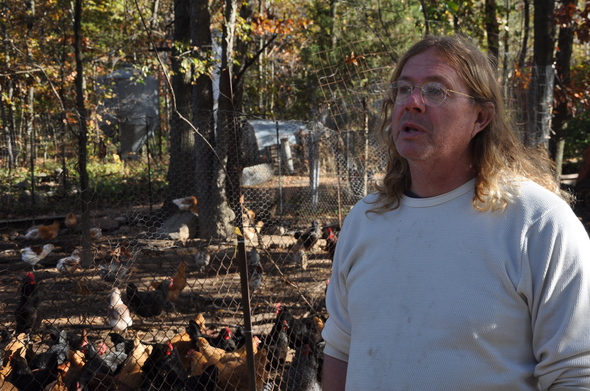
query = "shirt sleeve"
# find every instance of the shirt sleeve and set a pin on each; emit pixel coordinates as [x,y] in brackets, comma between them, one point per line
[556,263]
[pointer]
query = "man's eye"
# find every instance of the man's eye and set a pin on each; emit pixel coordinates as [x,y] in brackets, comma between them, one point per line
[404,90]
[434,90]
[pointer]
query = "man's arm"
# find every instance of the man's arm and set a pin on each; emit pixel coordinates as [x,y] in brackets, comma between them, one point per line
[333,374]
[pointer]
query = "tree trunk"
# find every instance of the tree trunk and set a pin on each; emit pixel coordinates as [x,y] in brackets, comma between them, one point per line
[182,168]
[561,114]
[492,29]
[86,257]
[215,217]
[543,74]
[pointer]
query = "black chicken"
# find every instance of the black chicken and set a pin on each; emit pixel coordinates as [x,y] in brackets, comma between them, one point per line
[24,379]
[207,381]
[301,330]
[255,271]
[27,309]
[309,237]
[163,369]
[277,345]
[93,366]
[59,348]
[148,303]
[331,241]
[303,371]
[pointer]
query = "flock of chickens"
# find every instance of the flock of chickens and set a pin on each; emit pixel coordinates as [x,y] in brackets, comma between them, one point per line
[199,359]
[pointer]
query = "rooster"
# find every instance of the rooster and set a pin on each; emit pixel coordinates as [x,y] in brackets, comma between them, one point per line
[163,369]
[331,241]
[34,254]
[118,313]
[179,282]
[43,232]
[68,265]
[306,240]
[27,309]
[148,303]
[277,344]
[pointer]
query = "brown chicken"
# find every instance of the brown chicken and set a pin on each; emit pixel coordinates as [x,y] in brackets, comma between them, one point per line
[233,375]
[71,221]
[232,366]
[178,284]
[130,373]
[187,204]
[43,232]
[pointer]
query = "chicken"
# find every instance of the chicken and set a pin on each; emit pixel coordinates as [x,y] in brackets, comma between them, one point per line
[27,309]
[118,313]
[148,303]
[303,371]
[68,265]
[34,254]
[202,260]
[17,344]
[310,237]
[95,233]
[71,221]
[223,339]
[306,240]
[178,285]
[233,374]
[163,368]
[114,270]
[219,357]
[23,378]
[43,232]
[59,348]
[130,372]
[331,241]
[187,204]
[277,344]
[204,381]
[255,270]
[301,330]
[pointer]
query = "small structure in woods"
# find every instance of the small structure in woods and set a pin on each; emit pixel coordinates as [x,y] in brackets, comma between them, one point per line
[128,110]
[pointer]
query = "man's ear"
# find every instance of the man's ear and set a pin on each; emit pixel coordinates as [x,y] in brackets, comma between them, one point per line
[484,117]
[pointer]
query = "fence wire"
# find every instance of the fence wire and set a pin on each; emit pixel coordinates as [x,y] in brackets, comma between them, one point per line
[65,325]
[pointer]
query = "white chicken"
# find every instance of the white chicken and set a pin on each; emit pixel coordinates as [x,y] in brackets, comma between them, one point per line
[68,265]
[33,254]
[118,313]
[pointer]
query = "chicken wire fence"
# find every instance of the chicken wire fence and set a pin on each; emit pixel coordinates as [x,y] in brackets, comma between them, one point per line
[64,324]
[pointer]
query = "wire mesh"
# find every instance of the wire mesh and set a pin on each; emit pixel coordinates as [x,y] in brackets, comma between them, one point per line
[304,173]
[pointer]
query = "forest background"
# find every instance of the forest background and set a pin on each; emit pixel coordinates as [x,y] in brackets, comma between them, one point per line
[219,61]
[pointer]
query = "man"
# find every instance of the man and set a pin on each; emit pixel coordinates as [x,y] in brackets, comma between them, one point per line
[465,270]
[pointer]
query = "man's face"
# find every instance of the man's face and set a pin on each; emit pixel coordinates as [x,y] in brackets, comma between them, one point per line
[438,136]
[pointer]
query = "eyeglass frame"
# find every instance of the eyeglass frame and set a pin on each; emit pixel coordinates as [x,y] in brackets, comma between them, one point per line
[422,93]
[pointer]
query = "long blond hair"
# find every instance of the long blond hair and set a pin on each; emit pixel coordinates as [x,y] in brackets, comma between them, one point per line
[498,156]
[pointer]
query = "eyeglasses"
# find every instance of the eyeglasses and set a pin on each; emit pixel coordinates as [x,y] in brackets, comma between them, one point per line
[433,93]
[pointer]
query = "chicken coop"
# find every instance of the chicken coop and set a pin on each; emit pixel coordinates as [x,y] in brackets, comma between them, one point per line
[159,305]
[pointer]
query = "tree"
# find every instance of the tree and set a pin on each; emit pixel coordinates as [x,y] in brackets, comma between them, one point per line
[541,92]
[562,109]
